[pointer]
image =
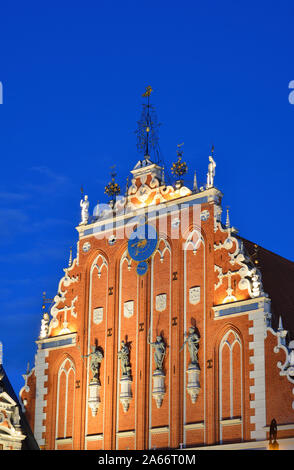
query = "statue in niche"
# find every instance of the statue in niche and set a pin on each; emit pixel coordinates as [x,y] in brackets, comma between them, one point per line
[192,339]
[84,204]
[159,352]
[96,357]
[123,356]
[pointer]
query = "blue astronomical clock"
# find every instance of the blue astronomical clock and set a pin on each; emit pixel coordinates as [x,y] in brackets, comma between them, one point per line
[141,246]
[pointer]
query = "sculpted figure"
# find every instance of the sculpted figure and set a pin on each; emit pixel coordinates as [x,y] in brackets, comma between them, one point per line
[45,325]
[159,352]
[211,172]
[96,357]
[192,339]
[123,355]
[85,210]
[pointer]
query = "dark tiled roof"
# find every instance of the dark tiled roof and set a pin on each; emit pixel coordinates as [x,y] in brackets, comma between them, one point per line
[29,442]
[278,282]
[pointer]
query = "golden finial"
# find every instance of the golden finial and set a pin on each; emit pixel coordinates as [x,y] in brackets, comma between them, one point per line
[179,168]
[148,91]
[44,300]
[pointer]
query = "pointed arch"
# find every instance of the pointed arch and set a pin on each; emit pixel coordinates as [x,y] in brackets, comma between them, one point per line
[65,402]
[230,359]
[99,263]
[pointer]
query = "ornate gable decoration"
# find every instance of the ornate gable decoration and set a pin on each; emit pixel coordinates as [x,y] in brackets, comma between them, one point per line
[236,277]
[148,187]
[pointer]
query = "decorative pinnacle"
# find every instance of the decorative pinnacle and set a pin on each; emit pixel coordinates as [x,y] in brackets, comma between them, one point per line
[112,189]
[127,186]
[162,176]
[228,218]
[195,186]
[179,168]
[70,257]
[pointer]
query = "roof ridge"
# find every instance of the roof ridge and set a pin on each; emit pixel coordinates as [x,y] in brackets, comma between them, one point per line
[268,251]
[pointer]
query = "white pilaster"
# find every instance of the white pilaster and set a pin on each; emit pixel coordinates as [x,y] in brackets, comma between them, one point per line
[258,374]
[41,391]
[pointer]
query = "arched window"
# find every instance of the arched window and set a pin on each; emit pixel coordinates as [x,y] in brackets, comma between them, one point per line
[65,400]
[230,383]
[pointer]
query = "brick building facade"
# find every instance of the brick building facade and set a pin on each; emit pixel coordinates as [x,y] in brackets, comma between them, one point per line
[208,361]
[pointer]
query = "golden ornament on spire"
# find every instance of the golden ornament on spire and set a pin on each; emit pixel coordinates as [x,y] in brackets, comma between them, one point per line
[148,91]
[179,168]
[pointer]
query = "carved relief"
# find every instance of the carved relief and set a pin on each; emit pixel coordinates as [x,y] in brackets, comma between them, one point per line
[98,315]
[129,308]
[160,303]
[194,295]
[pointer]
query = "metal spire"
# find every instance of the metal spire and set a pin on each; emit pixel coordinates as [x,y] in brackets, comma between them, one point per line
[147,136]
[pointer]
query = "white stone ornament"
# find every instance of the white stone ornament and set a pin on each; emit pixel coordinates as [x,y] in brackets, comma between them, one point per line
[112,240]
[193,386]
[160,302]
[94,397]
[194,295]
[129,308]
[158,390]
[175,223]
[204,215]
[86,247]
[98,315]
[125,392]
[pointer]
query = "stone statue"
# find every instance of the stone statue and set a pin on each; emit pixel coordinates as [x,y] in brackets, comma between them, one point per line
[159,352]
[193,344]
[85,210]
[96,357]
[45,325]
[211,172]
[123,355]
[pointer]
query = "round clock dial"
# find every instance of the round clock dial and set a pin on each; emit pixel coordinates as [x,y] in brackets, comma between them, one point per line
[142,242]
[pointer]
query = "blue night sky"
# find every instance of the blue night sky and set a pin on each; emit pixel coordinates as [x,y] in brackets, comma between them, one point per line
[73,73]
